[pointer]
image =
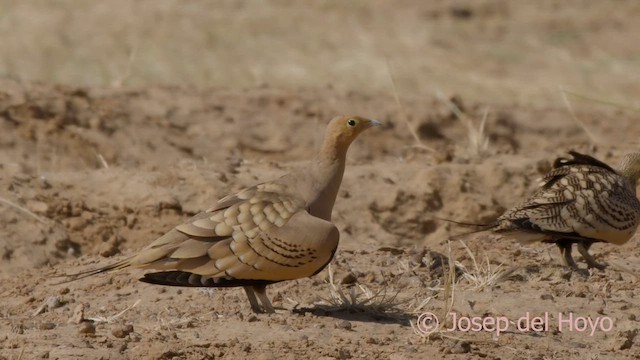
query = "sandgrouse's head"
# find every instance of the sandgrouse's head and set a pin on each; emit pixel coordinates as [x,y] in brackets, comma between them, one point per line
[629,167]
[342,130]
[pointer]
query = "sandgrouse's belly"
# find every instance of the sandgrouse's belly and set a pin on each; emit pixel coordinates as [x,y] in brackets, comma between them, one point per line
[617,236]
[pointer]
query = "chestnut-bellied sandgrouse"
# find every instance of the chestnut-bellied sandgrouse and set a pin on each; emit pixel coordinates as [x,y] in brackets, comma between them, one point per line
[271,232]
[581,200]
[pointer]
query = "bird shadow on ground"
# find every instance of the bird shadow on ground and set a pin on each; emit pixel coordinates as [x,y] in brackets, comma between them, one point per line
[396,317]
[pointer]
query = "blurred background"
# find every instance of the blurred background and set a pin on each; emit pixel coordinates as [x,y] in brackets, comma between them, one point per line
[120,119]
[489,50]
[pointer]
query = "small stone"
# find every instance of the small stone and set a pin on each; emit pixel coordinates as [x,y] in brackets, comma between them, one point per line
[461,347]
[109,248]
[344,354]
[131,220]
[87,327]
[78,315]
[54,302]
[546,297]
[397,357]
[252,318]
[344,324]
[266,356]
[122,331]
[87,215]
[348,279]
[370,277]
[51,303]
[37,206]
[47,326]
[620,344]
[76,223]
[135,337]
[44,183]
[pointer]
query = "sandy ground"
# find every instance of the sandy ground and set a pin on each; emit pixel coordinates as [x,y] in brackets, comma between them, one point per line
[95,169]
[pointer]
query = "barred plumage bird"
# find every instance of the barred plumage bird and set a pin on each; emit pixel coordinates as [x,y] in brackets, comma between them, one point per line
[275,231]
[581,200]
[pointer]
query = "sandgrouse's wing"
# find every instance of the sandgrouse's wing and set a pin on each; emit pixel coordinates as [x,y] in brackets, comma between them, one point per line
[260,235]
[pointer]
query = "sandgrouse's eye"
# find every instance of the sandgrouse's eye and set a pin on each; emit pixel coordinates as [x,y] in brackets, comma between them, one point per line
[352,122]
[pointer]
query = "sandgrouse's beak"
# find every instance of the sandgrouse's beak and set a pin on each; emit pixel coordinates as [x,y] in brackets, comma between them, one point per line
[373,122]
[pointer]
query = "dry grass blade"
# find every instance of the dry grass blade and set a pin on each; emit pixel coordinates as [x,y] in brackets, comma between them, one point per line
[594,139]
[362,299]
[126,74]
[601,101]
[102,319]
[403,113]
[102,161]
[478,140]
[23,210]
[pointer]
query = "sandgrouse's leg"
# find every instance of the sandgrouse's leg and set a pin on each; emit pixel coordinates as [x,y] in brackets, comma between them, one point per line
[252,299]
[565,250]
[583,248]
[261,292]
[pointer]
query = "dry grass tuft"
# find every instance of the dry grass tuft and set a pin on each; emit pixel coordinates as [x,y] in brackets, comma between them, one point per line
[483,274]
[362,299]
[478,141]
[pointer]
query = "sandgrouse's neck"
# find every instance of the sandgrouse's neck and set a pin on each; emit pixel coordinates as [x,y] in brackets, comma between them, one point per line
[629,168]
[333,150]
[330,165]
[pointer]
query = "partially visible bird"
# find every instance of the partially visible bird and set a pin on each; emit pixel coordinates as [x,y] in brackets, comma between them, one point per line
[581,200]
[274,231]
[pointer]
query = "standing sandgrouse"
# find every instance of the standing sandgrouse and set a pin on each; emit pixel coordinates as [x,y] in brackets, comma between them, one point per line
[275,231]
[581,200]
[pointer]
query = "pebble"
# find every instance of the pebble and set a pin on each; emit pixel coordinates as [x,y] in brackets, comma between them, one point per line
[87,327]
[349,279]
[47,326]
[461,347]
[78,314]
[120,331]
[344,324]
[266,356]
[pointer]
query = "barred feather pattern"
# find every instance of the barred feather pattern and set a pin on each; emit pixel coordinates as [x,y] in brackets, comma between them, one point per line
[581,198]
